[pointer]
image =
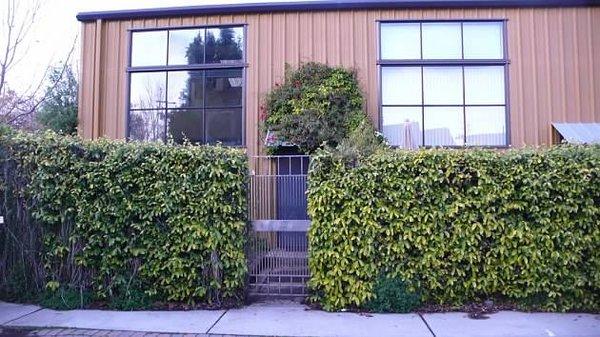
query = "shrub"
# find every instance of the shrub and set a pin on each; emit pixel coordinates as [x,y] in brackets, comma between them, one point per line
[131,299]
[65,299]
[459,225]
[116,217]
[360,143]
[315,105]
[393,295]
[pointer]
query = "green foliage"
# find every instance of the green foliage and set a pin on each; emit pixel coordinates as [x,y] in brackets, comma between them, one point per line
[459,225]
[65,299]
[58,111]
[131,299]
[119,217]
[16,285]
[362,142]
[393,295]
[316,105]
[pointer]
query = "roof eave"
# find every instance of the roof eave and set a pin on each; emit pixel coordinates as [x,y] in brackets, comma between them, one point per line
[321,6]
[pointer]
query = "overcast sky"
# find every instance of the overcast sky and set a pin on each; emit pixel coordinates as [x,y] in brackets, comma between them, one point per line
[56,28]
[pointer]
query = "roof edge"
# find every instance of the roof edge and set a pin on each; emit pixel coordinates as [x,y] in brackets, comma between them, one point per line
[321,6]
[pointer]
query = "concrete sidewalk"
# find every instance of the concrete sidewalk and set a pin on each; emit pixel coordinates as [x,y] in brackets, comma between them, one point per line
[295,320]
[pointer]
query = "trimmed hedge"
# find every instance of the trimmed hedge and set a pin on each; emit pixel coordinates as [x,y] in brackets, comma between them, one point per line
[459,225]
[129,222]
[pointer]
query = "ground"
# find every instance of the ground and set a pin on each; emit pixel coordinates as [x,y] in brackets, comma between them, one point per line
[287,319]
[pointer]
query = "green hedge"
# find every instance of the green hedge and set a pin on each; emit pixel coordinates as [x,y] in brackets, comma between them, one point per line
[459,225]
[123,220]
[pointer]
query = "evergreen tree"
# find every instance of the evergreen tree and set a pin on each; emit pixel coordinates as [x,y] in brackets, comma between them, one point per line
[58,111]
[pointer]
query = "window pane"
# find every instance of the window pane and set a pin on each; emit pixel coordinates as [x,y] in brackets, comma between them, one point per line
[442,85]
[484,85]
[224,125]
[147,90]
[149,48]
[403,126]
[483,40]
[186,124]
[186,46]
[223,88]
[444,126]
[147,125]
[442,41]
[401,85]
[186,89]
[224,45]
[400,41]
[486,125]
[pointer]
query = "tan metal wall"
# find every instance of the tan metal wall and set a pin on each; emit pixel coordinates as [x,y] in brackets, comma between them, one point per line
[554,54]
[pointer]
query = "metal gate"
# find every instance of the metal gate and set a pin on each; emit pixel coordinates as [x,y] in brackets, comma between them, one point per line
[278,247]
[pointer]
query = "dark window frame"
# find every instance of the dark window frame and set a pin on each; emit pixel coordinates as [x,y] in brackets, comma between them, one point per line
[243,65]
[462,63]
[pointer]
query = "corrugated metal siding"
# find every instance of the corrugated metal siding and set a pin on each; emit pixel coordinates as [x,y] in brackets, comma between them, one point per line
[554,70]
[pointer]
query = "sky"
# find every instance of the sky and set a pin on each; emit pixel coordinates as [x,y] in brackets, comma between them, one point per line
[56,28]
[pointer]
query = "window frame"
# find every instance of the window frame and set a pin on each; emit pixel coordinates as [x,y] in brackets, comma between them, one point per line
[243,65]
[504,62]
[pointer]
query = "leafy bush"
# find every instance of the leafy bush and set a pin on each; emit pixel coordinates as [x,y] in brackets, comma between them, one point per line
[360,143]
[114,217]
[131,299]
[315,105]
[393,295]
[459,225]
[65,299]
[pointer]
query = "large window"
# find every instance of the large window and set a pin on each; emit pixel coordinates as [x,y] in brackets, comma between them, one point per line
[443,83]
[187,84]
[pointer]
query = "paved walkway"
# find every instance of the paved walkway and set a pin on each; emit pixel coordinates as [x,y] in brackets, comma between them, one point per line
[288,320]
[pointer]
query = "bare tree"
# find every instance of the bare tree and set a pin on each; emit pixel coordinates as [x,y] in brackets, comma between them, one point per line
[17,108]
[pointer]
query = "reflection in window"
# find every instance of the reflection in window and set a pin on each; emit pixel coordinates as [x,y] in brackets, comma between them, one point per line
[224,88]
[446,80]
[186,124]
[148,90]
[486,125]
[186,89]
[186,46]
[174,99]
[444,126]
[224,45]
[403,126]
[147,125]
[224,126]
[149,48]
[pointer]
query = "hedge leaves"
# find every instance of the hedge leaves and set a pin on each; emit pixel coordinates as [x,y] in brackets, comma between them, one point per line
[459,225]
[119,218]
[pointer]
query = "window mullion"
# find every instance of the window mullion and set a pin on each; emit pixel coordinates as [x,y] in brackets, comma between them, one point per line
[166,105]
[423,106]
[204,137]
[463,107]
[167,90]
[422,87]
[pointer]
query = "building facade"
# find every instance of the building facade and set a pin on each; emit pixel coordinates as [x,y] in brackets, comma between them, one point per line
[456,73]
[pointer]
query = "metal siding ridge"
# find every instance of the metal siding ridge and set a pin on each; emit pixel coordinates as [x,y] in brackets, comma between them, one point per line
[322,6]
